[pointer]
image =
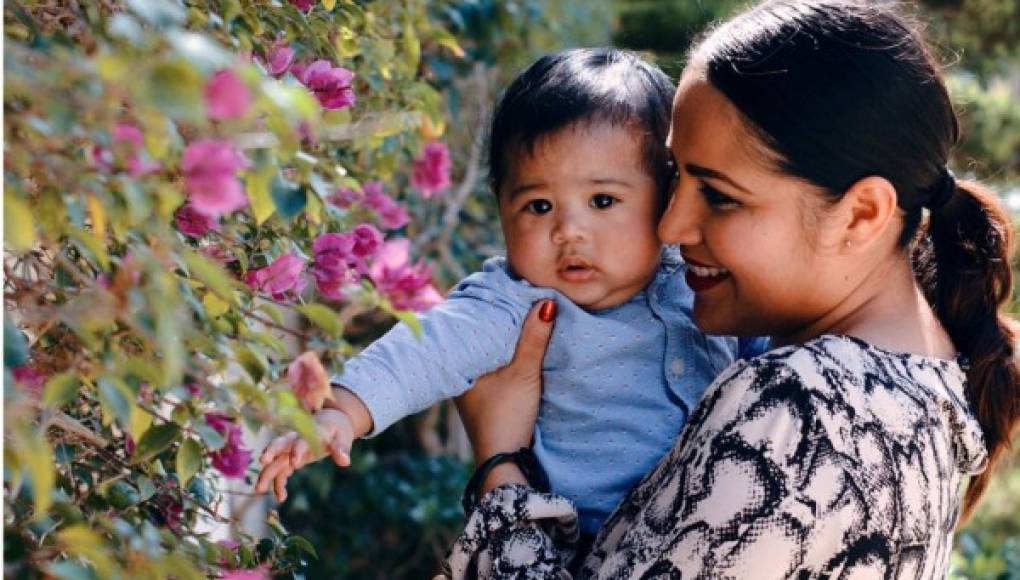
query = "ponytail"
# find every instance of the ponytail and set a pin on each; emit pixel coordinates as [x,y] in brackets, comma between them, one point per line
[963,264]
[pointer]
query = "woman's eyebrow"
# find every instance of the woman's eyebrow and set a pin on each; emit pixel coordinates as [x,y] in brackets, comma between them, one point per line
[699,171]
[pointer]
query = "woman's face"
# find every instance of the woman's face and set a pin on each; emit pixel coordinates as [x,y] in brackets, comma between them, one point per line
[754,239]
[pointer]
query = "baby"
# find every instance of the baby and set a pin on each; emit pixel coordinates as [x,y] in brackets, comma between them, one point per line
[581,174]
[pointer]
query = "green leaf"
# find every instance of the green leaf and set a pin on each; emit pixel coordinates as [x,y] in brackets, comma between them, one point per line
[258,185]
[115,397]
[154,442]
[273,312]
[253,362]
[213,439]
[19,227]
[92,246]
[210,274]
[15,346]
[176,87]
[322,316]
[60,389]
[301,544]
[36,456]
[289,197]
[214,307]
[189,461]
[410,319]
[146,488]
[81,541]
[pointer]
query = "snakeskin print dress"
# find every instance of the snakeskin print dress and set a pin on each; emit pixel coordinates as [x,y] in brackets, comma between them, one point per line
[832,459]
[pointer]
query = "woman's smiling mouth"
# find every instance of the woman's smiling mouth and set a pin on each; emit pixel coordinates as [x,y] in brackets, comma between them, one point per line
[702,277]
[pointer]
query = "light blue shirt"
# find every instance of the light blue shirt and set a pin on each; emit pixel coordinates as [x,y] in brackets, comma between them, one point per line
[619,383]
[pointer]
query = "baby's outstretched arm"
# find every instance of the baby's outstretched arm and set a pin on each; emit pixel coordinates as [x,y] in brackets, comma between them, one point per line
[343,419]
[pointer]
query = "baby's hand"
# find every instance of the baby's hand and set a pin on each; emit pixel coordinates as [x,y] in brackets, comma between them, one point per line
[289,452]
[309,381]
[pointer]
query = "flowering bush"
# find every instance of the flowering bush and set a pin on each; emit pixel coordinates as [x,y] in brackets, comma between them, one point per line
[195,192]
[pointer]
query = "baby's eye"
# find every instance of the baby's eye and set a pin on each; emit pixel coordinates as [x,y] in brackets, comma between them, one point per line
[602,201]
[538,206]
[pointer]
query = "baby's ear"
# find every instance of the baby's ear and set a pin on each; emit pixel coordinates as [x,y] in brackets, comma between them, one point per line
[866,213]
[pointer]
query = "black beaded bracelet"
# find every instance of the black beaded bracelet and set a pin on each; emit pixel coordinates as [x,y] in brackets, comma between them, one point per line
[524,458]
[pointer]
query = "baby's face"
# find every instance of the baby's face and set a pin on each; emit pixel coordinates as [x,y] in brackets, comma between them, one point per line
[579,215]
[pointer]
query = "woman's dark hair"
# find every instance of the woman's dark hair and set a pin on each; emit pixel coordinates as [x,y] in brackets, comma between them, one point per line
[589,85]
[842,90]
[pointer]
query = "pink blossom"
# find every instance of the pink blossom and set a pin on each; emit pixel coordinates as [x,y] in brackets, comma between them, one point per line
[128,144]
[279,57]
[226,96]
[345,198]
[280,278]
[303,5]
[210,169]
[432,170]
[391,214]
[335,264]
[260,573]
[218,253]
[193,223]
[233,458]
[367,240]
[31,378]
[331,85]
[129,444]
[407,286]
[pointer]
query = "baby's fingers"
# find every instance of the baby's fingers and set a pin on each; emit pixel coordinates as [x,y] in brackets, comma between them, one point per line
[269,473]
[340,453]
[280,485]
[277,446]
[299,454]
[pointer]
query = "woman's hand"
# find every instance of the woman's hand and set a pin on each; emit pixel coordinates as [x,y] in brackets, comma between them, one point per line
[500,410]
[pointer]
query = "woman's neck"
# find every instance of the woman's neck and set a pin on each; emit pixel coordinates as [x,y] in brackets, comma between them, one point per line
[889,310]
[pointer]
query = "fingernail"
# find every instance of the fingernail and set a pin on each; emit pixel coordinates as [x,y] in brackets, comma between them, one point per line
[548,311]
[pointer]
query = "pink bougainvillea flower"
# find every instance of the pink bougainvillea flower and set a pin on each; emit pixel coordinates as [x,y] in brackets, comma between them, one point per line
[391,214]
[432,170]
[330,84]
[279,57]
[31,378]
[308,380]
[367,241]
[282,278]
[218,253]
[407,286]
[260,573]
[233,458]
[226,96]
[193,223]
[210,169]
[345,198]
[303,5]
[128,148]
[335,265]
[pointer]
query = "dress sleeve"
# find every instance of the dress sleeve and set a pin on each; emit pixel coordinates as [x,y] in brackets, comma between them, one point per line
[471,333]
[734,497]
[515,532]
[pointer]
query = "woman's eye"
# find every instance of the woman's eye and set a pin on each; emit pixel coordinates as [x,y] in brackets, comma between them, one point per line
[602,201]
[538,206]
[716,198]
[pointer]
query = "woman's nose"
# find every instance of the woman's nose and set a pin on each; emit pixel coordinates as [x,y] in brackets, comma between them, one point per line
[680,224]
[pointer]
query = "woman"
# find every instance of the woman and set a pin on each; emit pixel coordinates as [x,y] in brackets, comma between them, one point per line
[811,142]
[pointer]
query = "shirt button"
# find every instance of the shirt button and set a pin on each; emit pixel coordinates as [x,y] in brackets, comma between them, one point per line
[677,366]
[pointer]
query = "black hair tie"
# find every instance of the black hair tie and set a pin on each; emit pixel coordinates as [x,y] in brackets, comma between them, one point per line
[942,191]
[524,458]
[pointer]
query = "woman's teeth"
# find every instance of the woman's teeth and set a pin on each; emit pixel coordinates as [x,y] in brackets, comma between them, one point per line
[707,271]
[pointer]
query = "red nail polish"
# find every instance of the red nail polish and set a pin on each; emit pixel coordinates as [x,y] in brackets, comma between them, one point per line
[548,311]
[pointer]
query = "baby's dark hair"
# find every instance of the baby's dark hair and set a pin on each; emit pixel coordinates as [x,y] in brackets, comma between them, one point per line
[584,85]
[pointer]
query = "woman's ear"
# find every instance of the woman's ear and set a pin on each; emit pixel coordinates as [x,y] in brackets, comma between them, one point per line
[867,212]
